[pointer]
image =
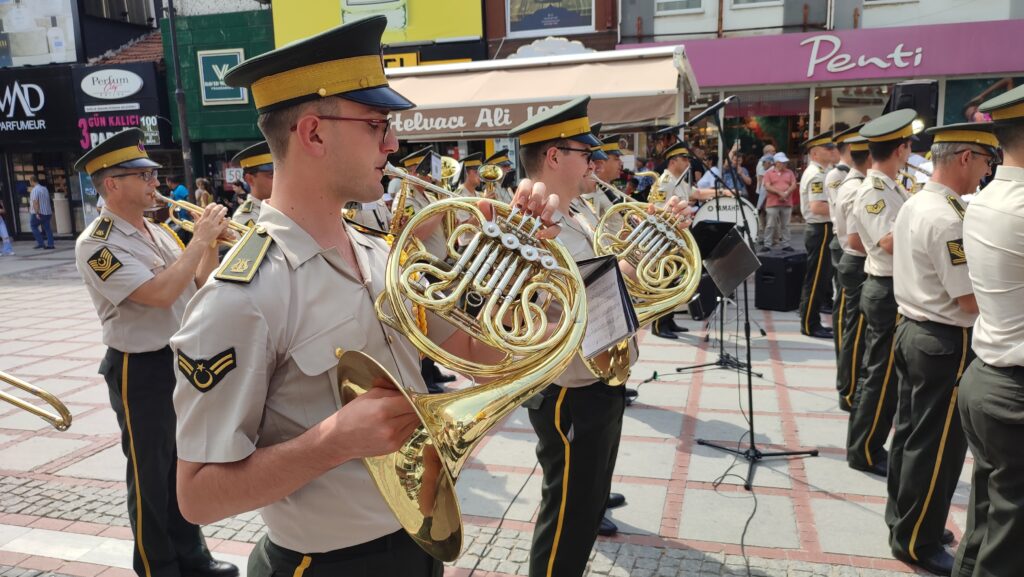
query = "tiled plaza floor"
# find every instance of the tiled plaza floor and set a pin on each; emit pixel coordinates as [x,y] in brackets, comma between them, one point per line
[62,494]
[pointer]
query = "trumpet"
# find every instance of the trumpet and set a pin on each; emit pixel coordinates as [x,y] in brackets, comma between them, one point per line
[61,420]
[612,188]
[916,168]
[189,226]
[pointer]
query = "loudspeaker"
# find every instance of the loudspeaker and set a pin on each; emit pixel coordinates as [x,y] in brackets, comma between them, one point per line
[704,303]
[923,97]
[778,282]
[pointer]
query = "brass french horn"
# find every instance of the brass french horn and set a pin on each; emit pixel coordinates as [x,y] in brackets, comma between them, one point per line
[532,314]
[61,420]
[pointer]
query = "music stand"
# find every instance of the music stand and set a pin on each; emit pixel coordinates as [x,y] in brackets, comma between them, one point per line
[731,264]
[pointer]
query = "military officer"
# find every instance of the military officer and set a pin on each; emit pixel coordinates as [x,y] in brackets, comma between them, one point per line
[933,345]
[595,199]
[468,178]
[991,405]
[506,188]
[612,168]
[258,420]
[877,203]
[835,176]
[258,172]
[817,234]
[140,278]
[850,275]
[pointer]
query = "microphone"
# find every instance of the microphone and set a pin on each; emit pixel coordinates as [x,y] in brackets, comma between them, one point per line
[702,115]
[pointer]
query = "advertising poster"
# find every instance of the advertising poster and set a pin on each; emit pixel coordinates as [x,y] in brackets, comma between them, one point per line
[213,67]
[111,98]
[543,17]
[408,20]
[37,32]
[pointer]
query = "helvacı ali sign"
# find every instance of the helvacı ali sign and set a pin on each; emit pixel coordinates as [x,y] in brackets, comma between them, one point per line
[112,84]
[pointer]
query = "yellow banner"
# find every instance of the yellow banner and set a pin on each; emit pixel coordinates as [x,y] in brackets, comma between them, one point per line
[399,60]
[408,20]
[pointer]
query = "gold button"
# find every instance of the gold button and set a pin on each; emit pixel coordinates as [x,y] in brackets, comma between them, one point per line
[260,229]
[322,92]
[389,339]
[364,82]
[338,352]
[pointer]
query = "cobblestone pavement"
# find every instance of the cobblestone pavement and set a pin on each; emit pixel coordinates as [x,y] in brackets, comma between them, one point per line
[815,517]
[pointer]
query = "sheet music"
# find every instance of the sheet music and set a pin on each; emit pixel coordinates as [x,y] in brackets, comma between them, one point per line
[610,314]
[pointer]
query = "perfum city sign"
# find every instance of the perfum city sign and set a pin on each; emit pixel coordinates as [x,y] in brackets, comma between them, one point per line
[112,84]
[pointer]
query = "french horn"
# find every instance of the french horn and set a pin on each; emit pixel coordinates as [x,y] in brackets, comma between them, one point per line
[532,315]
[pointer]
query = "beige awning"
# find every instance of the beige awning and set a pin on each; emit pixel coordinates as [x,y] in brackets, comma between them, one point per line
[629,89]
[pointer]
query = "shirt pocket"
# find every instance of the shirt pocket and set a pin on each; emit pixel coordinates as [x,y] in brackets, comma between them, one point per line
[316,356]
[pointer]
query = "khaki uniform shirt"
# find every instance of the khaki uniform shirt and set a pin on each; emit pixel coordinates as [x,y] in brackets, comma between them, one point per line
[833,179]
[878,202]
[115,258]
[375,215]
[576,235]
[812,188]
[928,252]
[842,212]
[994,245]
[248,212]
[275,341]
[597,202]
[668,186]
[436,244]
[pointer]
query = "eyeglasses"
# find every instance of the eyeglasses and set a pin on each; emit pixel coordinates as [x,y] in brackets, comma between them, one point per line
[376,123]
[992,159]
[146,175]
[586,152]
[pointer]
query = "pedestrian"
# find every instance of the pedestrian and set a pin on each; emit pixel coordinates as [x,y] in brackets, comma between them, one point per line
[933,345]
[140,280]
[7,249]
[41,208]
[203,194]
[991,406]
[177,191]
[877,203]
[817,235]
[779,184]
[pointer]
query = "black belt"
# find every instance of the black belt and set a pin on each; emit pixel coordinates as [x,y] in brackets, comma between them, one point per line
[378,545]
[935,325]
[884,279]
[1015,372]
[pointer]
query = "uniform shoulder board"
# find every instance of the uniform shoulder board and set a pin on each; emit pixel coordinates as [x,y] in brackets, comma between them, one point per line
[955,203]
[241,263]
[843,168]
[246,207]
[877,183]
[102,228]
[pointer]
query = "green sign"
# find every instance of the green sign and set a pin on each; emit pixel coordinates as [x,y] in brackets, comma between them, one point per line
[213,66]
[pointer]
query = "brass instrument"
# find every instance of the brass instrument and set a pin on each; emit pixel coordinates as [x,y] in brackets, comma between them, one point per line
[656,194]
[189,226]
[61,420]
[491,175]
[517,280]
[666,260]
[449,172]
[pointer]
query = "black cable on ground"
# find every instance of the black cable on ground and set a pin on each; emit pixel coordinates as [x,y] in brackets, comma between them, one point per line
[501,521]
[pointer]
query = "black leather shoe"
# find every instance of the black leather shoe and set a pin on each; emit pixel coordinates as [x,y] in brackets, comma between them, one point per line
[826,309]
[880,468]
[434,388]
[213,568]
[607,528]
[672,326]
[820,333]
[440,377]
[947,537]
[843,405]
[938,563]
[663,333]
[615,500]
[631,395]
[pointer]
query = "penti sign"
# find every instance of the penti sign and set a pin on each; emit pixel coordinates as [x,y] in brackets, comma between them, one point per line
[213,67]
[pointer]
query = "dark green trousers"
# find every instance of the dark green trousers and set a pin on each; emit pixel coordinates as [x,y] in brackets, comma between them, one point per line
[850,273]
[992,410]
[929,446]
[818,278]
[140,387]
[835,252]
[395,554]
[578,434]
[875,403]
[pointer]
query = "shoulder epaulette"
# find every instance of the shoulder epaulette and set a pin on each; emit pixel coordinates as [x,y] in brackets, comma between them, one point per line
[246,207]
[877,183]
[102,229]
[241,263]
[955,203]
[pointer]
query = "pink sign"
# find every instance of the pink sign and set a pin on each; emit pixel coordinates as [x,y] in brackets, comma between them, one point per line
[878,53]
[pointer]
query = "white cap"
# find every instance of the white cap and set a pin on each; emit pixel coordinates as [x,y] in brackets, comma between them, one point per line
[780,157]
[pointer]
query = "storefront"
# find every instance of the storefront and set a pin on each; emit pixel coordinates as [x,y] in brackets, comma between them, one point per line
[38,137]
[792,86]
[114,97]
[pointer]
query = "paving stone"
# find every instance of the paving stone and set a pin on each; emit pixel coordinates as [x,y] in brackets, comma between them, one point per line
[661,394]
[488,494]
[822,432]
[106,465]
[37,451]
[719,516]
[831,474]
[851,528]
[730,398]
[731,427]
[505,448]
[654,423]
[708,464]
[641,459]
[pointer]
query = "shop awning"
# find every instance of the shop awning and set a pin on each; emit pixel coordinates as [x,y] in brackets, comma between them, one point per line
[629,89]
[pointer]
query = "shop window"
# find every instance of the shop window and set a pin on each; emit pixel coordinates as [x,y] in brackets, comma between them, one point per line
[676,6]
[964,96]
[133,11]
[755,3]
[840,107]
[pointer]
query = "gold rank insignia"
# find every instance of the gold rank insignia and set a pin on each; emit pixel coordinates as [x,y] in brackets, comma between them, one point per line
[246,207]
[241,263]
[817,187]
[875,208]
[955,203]
[104,263]
[250,223]
[102,230]
[204,374]
[877,183]
[956,251]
